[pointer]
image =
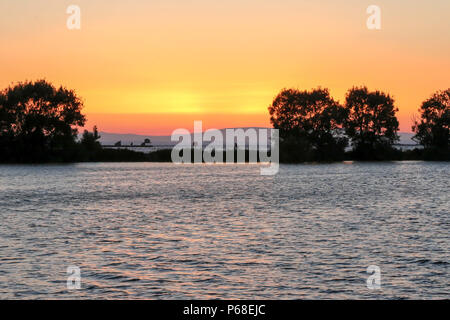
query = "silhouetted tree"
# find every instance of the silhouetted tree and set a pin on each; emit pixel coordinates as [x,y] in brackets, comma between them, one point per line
[38,122]
[90,139]
[371,123]
[310,124]
[433,129]
[89,147]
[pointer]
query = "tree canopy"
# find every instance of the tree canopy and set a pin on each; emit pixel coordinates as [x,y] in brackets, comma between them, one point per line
[371,123]
[37,119]
[312,119]
[433,128]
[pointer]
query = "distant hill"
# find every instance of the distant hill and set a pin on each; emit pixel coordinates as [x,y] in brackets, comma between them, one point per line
[406,138]
[136,139]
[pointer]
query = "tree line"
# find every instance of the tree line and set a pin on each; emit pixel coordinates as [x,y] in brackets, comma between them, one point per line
[38,123]
[315,127]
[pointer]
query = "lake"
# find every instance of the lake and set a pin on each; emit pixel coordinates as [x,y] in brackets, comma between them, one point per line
[165,231]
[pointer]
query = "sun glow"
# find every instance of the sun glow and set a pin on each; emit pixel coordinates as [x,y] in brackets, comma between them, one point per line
[206,58]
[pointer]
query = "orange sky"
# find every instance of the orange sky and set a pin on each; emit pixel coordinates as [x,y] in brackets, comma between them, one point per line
[152,66]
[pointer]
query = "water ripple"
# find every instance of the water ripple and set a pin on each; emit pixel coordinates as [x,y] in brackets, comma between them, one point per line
[162,231]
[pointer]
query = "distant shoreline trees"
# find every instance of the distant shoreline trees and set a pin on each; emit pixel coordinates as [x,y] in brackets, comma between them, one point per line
[314,127]
[38,123]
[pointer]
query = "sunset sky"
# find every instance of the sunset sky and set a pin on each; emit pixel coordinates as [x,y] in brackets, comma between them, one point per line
[150,67]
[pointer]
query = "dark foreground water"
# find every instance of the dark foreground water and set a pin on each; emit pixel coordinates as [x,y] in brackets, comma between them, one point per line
[163,231]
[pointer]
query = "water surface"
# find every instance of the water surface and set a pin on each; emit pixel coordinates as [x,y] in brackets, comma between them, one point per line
[165,231]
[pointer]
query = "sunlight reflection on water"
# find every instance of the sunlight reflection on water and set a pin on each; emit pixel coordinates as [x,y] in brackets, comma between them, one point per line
[143,230]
